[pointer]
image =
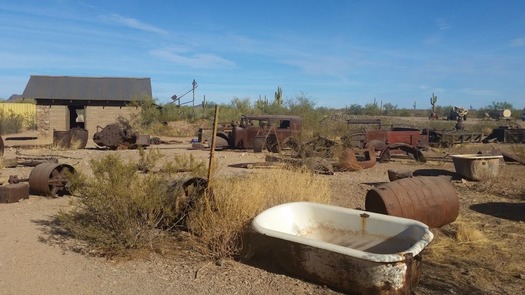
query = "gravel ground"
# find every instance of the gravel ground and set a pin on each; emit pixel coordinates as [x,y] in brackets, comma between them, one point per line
[30,264]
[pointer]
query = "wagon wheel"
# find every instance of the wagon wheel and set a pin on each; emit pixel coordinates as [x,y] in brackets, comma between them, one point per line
[51,179]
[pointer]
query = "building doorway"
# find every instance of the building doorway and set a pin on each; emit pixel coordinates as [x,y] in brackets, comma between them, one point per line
[77,117]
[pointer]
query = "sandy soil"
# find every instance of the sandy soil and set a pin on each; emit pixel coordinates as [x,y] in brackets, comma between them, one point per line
[30,264]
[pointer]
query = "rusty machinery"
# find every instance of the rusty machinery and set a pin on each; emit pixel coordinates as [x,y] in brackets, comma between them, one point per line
[272,132]
[48,179]
[113,136]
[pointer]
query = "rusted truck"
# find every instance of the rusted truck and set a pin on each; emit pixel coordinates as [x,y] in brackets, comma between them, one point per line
[272,132]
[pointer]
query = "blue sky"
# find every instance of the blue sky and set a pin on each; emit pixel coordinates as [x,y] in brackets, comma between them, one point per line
[337,53]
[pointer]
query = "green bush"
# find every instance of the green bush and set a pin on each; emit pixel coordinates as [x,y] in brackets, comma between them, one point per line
[120,209]
[11,123]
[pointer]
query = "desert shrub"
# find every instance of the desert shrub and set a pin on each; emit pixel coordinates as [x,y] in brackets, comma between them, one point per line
[187,164]
[148,160]
[149,113]
[304,107]
[483,127]
[220,221]
[10,122]
[119,209]
[264,107]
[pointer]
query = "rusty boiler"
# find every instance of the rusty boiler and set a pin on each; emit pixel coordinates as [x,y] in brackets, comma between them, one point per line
[115,137]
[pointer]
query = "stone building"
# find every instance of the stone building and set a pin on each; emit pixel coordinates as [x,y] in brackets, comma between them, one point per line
[65,102]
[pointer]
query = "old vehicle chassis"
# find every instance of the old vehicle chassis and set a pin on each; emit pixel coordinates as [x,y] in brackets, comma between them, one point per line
[256,132]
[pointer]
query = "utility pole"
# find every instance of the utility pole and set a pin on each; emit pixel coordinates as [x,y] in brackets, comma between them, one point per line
[194,84]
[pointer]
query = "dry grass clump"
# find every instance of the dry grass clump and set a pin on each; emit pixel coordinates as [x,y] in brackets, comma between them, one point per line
[518,150]
[506,184]
[220,222]
[174,129]
[185,163]
[470,245]
[460,241]
[76,143]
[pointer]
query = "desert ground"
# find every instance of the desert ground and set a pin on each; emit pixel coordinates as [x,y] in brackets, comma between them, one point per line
[34,260]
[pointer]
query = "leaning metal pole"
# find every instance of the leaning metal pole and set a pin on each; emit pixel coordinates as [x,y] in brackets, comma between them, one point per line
[212,147]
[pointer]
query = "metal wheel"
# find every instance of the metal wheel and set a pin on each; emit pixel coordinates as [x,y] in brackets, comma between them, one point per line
[50,179]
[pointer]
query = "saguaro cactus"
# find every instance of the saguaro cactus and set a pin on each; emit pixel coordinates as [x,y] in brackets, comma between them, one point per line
[279,96]
[433,101]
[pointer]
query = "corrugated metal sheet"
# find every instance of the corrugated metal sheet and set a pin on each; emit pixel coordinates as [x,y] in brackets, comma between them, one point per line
[18,108]
[26,110]
[87,88]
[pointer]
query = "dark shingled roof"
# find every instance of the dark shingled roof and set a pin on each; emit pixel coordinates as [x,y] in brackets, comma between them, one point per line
[87,88]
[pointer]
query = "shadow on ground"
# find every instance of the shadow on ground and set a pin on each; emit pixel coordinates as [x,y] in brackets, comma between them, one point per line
[505,210]
[437,172]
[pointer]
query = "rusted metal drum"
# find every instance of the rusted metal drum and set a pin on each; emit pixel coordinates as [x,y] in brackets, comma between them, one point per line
[61,138]
[75,137]
[432,200]
[50,179]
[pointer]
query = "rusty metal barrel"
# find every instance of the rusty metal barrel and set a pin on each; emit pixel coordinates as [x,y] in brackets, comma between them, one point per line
[432,200]
[73,138]
[61,138]
[50,179]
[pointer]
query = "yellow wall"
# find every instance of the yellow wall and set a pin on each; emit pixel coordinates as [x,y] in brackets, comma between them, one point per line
[26,110]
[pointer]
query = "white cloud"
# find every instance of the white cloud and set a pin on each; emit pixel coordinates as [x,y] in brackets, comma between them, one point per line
[443,24]
[321,65]
[134,23]
[183,56]
[518,42]
[431,40]
[479,92]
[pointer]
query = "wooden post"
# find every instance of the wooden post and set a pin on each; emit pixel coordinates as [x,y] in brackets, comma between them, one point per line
[212,147]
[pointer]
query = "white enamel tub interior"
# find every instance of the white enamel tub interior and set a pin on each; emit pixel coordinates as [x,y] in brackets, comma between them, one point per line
[359,234]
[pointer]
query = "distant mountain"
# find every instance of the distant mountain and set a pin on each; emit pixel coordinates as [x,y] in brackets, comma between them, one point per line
[15,98]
